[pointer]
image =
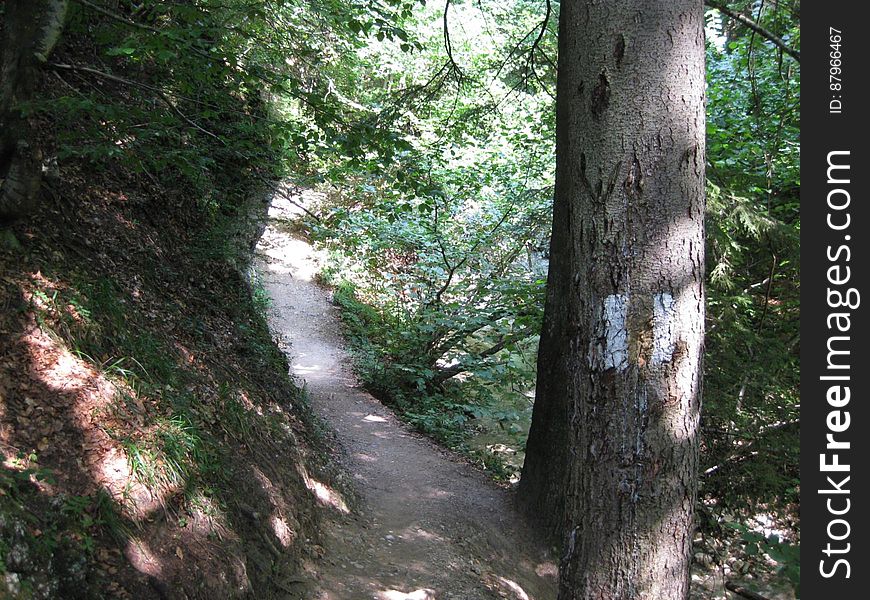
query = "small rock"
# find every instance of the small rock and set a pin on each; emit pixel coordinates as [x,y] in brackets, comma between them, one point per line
[13,583]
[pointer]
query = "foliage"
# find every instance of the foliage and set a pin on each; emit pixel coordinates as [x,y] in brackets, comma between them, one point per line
[431,128]
[444,245]
[431,249]
[189,92]
[752,373]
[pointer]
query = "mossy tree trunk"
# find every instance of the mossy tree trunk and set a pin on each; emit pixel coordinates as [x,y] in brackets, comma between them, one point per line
[612,455]
[31,28]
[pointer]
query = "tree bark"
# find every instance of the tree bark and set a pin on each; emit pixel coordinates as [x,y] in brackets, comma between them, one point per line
[612,456]
[31,29]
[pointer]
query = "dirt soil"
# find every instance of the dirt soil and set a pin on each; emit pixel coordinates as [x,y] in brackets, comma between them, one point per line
[426,524]
[117,332]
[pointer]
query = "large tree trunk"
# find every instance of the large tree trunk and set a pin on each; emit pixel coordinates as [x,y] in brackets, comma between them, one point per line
[30,30]
[612,455]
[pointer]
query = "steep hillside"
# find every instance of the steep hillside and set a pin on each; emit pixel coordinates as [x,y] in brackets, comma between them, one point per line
[153,444]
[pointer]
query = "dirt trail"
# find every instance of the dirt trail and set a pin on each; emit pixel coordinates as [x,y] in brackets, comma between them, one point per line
[429,526]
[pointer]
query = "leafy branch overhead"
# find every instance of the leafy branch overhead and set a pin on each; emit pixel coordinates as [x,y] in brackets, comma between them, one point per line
[754,26]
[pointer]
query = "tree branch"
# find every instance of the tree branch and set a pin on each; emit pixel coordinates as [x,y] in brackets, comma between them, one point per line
[448,46]
[277,189]
[439,347]
[129,82]
[193,48]
[530,63]
[468,254]
[748,450]
[765,33]
[742,591]
[120,18]
[445,374]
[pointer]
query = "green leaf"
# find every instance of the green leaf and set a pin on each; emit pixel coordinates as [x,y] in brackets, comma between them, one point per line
[122,51]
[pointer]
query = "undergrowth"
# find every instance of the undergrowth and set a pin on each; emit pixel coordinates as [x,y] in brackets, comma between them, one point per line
[453,414]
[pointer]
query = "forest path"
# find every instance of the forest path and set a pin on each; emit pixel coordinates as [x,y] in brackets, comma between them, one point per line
[428,525]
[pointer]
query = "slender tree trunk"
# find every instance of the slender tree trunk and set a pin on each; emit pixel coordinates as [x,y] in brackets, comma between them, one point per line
[31,28]
[612,456]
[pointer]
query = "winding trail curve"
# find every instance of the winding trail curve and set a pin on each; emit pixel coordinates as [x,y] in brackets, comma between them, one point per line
[429,526]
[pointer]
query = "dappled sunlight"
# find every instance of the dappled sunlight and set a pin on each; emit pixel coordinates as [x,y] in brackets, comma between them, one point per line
[279,268]
[208,518]
[421,594]
[278,522]
[291,256]
[430,493]
[547,569]
[112,470]
[672,347]
[143,558]
[288,255]
[686,383]
[303,370]
[417,533]
[282,531]
[87,423]
[60,370]
[244,387]
[327,495]
[138,386]
[324,494]
[287,200]
[82,396]
[409,549]
[514,587]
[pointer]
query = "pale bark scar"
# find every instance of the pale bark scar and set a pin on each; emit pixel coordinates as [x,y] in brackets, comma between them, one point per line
[664,335]
[614,352]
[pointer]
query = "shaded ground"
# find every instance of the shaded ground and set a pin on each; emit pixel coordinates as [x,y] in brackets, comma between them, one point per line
[151,443]
[427,524]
